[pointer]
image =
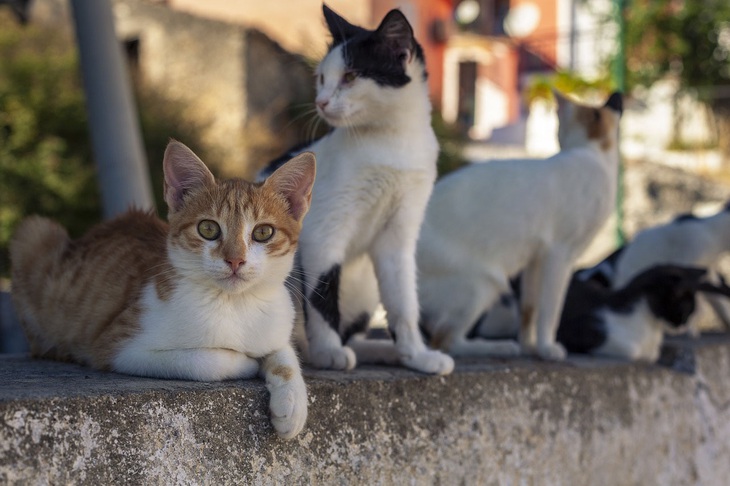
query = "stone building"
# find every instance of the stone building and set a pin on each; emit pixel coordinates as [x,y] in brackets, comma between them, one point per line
[244,91]
[241,87]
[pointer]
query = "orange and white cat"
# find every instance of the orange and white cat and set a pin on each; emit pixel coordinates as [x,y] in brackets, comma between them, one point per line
[200,298]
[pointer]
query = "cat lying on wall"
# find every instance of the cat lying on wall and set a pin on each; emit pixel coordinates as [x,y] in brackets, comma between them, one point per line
[688,240]
[201,298]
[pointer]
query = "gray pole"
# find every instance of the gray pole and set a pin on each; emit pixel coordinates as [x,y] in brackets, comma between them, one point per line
[122,168]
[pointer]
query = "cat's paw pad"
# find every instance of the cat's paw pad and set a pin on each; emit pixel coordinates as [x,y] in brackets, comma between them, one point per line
[288,406]
[429,361]
[552,352]
[332,358]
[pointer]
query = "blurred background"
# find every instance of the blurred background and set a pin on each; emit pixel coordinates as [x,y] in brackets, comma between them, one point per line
[232,79]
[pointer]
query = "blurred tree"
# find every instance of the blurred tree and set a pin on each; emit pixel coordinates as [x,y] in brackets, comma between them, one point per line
[686,39]
[45,157]
[46,164]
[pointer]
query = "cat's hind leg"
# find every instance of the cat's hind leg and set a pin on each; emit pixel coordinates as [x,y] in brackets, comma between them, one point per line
[468,301]
[325,348]
[288,402]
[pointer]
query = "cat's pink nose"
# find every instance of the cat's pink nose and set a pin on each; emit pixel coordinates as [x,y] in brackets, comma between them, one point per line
[322,104]
[235,263]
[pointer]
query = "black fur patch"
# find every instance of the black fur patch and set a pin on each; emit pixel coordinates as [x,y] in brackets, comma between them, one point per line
[381,54]
[669,290]
[582,335]
[472,334]
[325,297]
[359,325]
[673,303]
[615,102]
[580,329]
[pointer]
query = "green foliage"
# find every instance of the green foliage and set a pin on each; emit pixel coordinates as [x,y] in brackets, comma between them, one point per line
[689,39]
[541,86]
[46,162]
[45,156]
[451,145]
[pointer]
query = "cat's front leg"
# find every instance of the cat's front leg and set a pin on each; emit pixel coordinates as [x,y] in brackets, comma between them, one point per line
[200,364]
[546,283]
[288,402]
[394,256]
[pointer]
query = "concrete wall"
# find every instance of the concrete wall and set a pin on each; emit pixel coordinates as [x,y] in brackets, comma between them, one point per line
[516,422]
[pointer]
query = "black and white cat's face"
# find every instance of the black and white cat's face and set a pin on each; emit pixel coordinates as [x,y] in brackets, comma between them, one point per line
[361,78]
[672,297]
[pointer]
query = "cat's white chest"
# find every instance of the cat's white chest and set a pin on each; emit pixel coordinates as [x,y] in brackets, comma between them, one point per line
[362,180]
[250,324]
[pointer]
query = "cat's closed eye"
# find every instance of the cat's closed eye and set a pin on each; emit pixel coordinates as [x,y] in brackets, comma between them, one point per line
[208,229]
[263,233]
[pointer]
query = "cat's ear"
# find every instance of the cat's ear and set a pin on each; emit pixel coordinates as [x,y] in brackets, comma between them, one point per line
[615,102]
[396,33]
[340,28]
[183,171]
[295,180]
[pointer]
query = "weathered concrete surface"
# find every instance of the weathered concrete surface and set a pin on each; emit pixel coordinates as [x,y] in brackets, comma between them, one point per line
[492,422]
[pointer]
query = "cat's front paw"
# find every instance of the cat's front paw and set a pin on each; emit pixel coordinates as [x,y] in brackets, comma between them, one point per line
[429,361]
[288,405]
[551,351]
[332,358]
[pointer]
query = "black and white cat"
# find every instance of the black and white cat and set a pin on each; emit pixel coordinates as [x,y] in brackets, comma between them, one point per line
[375,174]
[627,323]
[487,222]
[688,240]
[630,322]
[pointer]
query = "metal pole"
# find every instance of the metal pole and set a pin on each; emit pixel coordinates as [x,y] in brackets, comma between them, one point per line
[619,76]
[115,134]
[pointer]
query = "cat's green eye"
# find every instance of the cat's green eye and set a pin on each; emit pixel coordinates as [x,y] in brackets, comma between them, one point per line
[210,230]
[263,233]
[349,77]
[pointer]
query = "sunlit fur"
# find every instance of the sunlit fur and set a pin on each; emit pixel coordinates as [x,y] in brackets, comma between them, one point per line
[136,295]
[375,174]
[487,222]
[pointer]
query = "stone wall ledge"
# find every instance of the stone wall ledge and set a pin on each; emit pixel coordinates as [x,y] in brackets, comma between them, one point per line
[584,421]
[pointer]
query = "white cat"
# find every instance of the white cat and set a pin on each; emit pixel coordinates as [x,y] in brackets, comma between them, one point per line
[488,222]
[375,174]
